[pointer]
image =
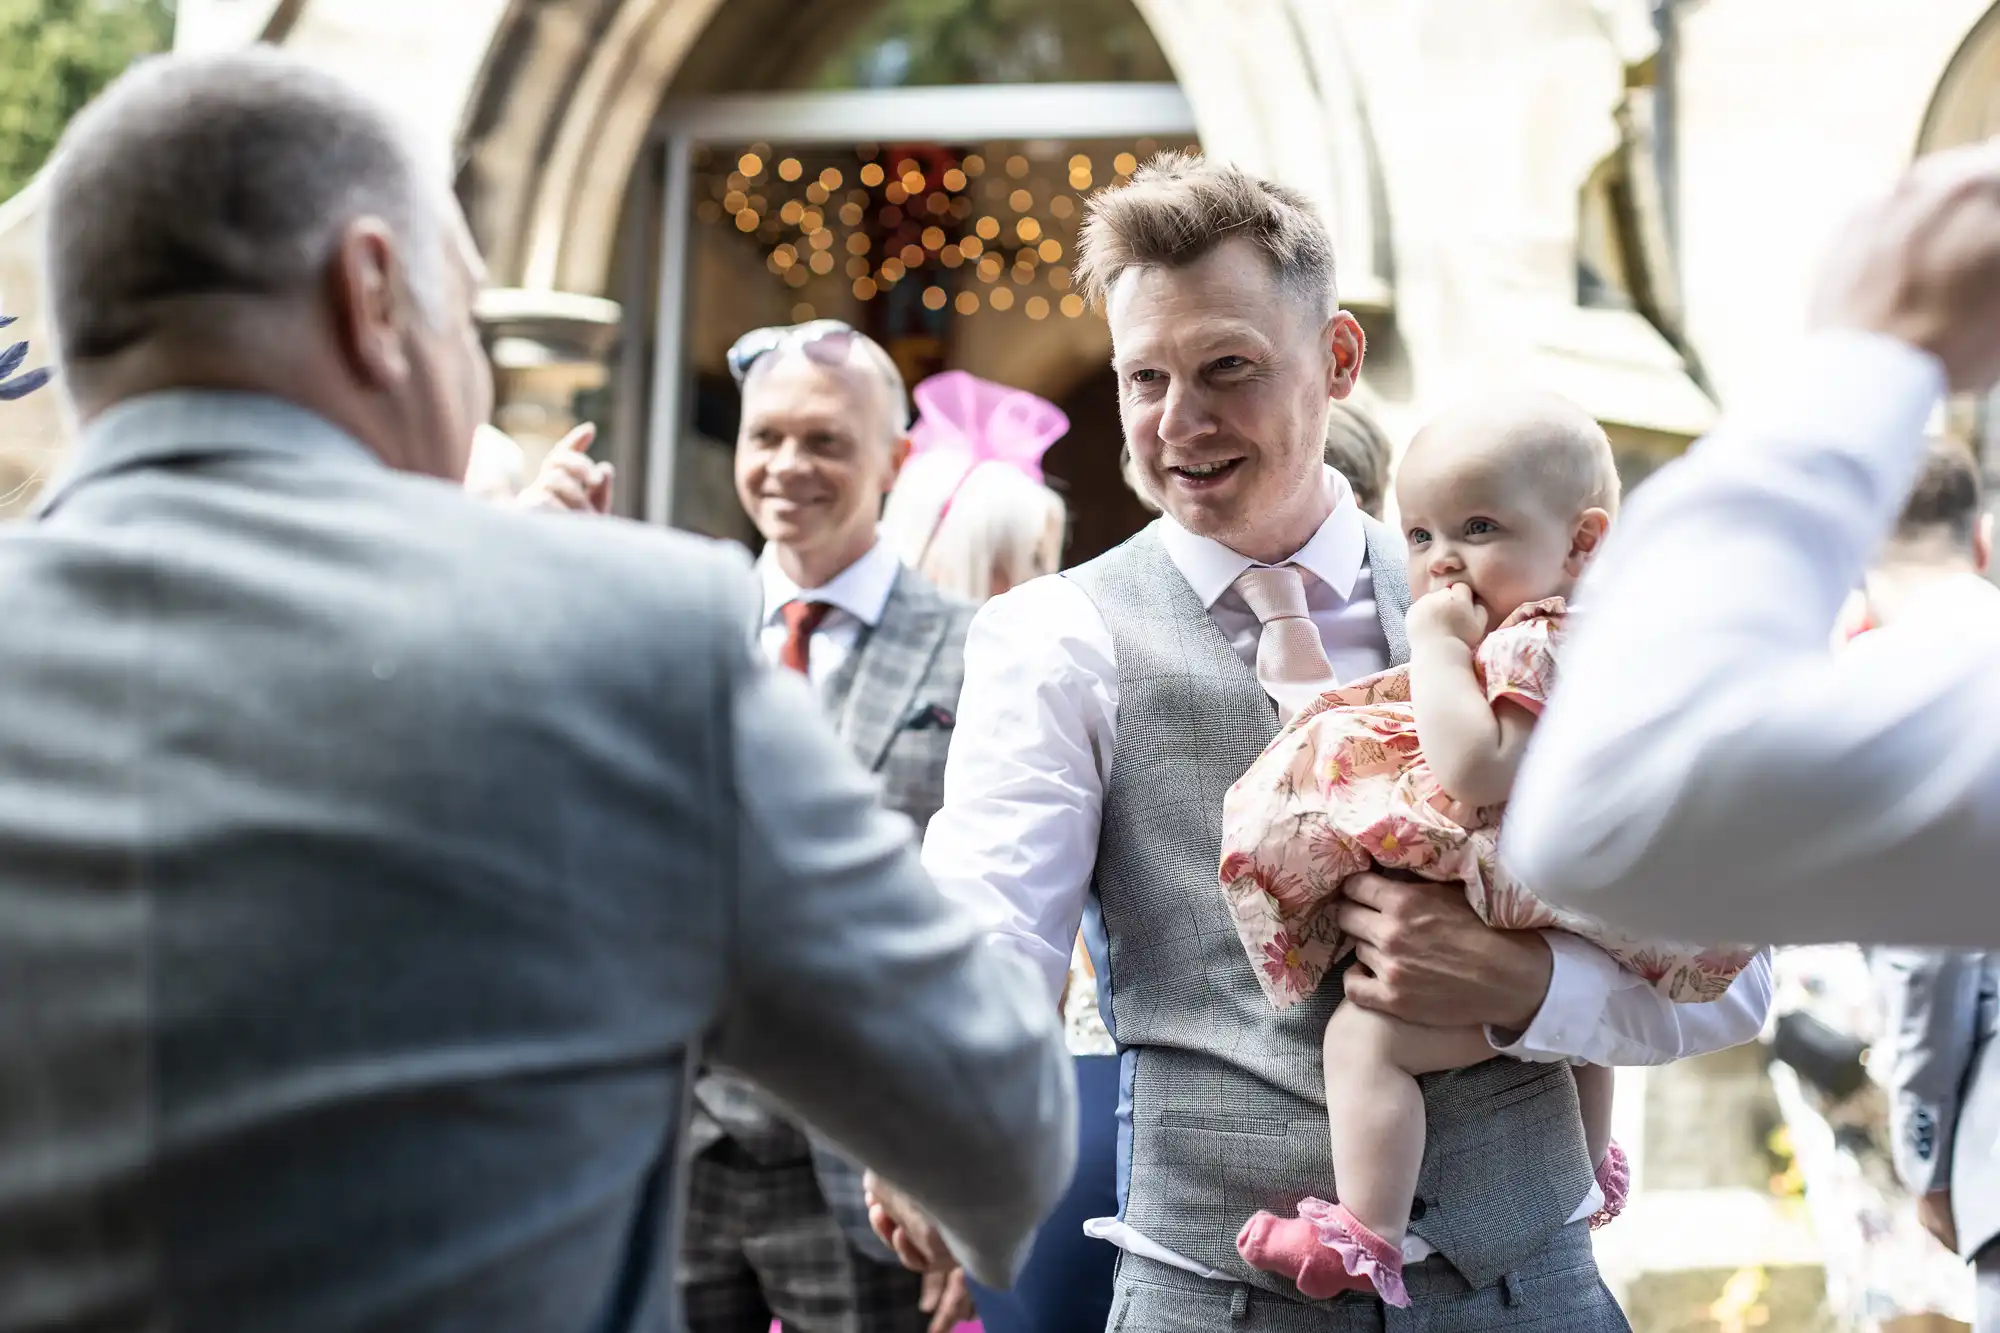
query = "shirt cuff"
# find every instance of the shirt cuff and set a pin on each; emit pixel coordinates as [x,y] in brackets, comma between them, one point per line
[1581,980]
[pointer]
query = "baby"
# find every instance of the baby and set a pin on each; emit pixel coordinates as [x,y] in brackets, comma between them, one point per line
[1504,502]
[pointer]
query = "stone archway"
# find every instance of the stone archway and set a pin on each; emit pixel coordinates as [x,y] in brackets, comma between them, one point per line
[557,122]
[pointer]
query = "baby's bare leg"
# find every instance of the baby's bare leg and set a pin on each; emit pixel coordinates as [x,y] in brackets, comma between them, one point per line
[1376,1109]
[1594,1087]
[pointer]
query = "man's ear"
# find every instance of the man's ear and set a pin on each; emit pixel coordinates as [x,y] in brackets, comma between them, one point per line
[1982,543]
[1348,345]
[899,454]
[369,296]
[1586,539]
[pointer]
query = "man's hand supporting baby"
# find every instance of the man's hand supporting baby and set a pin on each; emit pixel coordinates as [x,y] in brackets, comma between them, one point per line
[1423,956]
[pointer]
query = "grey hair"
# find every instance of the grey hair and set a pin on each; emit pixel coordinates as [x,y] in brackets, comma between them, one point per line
[225,176]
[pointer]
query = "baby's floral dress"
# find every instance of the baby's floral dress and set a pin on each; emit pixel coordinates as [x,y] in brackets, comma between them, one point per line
[1345,788]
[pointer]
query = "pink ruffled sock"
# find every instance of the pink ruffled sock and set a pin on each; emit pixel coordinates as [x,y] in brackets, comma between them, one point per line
[1614,1181]
[1324,1250]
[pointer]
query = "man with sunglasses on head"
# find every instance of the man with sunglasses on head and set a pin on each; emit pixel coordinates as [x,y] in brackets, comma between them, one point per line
[776,1222]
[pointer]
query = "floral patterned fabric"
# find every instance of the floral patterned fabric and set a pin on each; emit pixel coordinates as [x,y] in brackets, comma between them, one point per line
[1345,787]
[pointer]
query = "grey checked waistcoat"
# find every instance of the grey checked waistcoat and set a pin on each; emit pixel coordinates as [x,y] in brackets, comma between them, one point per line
[1228,1104]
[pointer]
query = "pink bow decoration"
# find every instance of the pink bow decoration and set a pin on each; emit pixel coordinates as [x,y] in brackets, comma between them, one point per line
[986,422]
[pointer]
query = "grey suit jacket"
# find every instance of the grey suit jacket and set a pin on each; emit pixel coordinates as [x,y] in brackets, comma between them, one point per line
[895,703]
[1940,1014]
[376,865]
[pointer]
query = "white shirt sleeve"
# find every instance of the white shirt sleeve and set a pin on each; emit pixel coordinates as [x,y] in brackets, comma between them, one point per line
[1598,1012]
[1710,769]
[1016,838]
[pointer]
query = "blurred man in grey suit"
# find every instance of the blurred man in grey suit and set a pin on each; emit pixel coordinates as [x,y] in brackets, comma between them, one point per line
[1940,1009]
[376,864]
[777,1224]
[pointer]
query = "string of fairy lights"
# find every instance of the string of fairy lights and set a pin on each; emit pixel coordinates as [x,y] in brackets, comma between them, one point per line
[972,234]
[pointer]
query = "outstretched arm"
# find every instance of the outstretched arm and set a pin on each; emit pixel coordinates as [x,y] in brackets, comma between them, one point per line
[871,1006]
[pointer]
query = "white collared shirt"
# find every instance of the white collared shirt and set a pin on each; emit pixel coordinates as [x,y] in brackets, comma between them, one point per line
[858,595]
[1710,769]
[1016,839]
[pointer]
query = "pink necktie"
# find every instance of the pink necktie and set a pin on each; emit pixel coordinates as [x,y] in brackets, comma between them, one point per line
[1291,661]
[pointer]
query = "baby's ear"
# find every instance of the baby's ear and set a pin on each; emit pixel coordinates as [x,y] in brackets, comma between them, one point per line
[1586,538]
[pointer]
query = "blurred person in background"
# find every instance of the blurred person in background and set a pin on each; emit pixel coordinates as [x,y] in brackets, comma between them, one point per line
[1357,449]
[1941,1008]
[777,1226]
[971,510]
[374,861]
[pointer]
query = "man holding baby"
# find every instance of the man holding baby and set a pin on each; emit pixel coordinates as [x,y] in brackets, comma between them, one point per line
[1106,714]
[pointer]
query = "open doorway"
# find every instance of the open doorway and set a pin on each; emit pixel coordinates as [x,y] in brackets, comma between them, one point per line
[935,206]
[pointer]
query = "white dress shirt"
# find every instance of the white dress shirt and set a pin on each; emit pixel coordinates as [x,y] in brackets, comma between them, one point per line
[1710,768]
[858,596]
[1016,839]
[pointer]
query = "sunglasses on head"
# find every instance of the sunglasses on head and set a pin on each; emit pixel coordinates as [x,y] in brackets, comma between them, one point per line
[827,341]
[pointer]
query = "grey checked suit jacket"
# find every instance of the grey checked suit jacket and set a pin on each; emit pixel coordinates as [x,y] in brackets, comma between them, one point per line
[1941,1012]
[376,865]
[895,703]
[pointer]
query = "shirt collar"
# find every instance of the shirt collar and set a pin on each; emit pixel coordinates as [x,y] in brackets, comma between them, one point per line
[1334,556]
[861,590]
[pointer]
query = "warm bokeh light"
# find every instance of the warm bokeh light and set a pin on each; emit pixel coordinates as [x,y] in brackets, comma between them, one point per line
[1037,307]
[971,246]
[1061,206]
[967,303]
[803,311]
[864,289]
[820,240]
[1079,162]
[989,268]
[1020,201]
[913,182]
[851,214]
[857,244]
[1001,298]
[735,202]
[750,164]
[791,212]
[1124,164]
[894,192]
[951,256]
[872,175]
[1017,166]
[1059,278]
[830,178]
[974,164]
[811,220]
[1079,180]
[913,256]
[892,270]
[797,276]
[934,298]
[789,169]
[1050,250]
[933,238]
[1027,229]
[858,267]
[938,202]
[817,193]
[988,228]
[1072,305]
[785,256]
[821,263]
[746,219]
[954,179]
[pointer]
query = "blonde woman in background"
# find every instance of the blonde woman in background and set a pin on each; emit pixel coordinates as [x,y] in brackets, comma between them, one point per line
[970,513]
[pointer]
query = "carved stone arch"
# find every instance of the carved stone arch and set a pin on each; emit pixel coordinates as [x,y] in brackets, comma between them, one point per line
[560,117]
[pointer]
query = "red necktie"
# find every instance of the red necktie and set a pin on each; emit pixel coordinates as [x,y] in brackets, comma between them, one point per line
[801,619]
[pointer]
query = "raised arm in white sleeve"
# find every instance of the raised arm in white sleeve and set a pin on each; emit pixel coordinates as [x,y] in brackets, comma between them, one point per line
[871,1007]
[1709,768]
[1016,839]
